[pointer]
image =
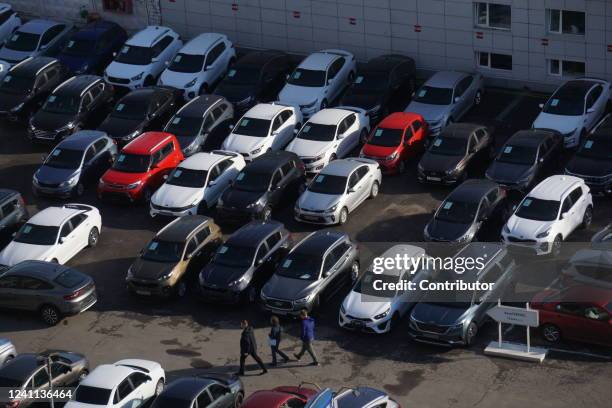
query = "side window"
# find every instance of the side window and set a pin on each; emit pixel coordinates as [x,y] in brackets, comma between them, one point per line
[261,252]
[492,196]
[285,115]
[28,283]
[10,282]
[166,150]
[100,145]
[567,204]
[575,195]
[96,90]
[161,45]
[335,67]
[191,246]
[58,369]
[87,100]
[595,313]
[208,121]
[66,229]
[203,234]
[349,121]
[276,178]
[137,379]
[204,399]
[273,239]
[77,220]
[9,207]
[41,378]
[90,153]
[222,166]
[342,127]
[214,173]
[217,391]
[473,142]
[353,179]
[214,54]
[340,250]
[362,171]
[123,390]
[217,112]
[417,125]
[295,403]
[5,15]
[330,260]
[462,86]
[287,167]
[278,121]
[51,34]
[571,308]
[593,96]
[42,81]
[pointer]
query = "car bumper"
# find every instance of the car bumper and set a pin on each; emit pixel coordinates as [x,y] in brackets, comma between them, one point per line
[285,307]
[364,325]
[438,178]
[386,166]
[47,136]
[312,168]
[317,217]
[62,192]
[149,287]
[238,215]
[219,295]
[448,338]
[172,212]
[119,196]
[122,83]
[308,112]
[9,116]
[527,246]
[80,305]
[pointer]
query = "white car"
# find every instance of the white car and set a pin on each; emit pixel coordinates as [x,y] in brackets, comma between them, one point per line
[127,383]
[319,80]
[143,57]
[55,234]
[264,127]
[199,65]
[330,134]
[549,214]
[9,21]
[575,108]
[370,308]
[196,184]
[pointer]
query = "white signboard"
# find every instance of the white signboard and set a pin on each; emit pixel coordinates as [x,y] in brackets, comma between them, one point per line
[515,315]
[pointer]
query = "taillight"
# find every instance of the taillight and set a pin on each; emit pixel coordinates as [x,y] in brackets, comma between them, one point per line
[12,404]
[74,295]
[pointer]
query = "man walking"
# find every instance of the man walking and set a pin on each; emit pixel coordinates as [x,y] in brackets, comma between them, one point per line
[248,347]
[307,336]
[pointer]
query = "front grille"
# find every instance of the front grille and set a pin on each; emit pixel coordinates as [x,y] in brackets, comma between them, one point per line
[116,186]
[211,289]
[171,209]
[144,284]
[279,304]
[114,196]
[43,134]
[432,328]
[118,80]
[48,185]
[373,158]
[313,211]
[308,160]
[359,318]
[515,239]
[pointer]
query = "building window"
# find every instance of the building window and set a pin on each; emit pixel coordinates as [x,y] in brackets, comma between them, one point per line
[492,15]
[494,61]
[566,22]
[566,68]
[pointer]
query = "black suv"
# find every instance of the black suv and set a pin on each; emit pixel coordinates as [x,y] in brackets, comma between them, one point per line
[26,86]
[70,107]
[244,262]
[262,185]
[139,110]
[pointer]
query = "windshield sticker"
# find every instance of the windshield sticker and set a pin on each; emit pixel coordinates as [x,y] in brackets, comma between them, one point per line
[8,78]
[240,176]
[297,75]
[27,229]
[125,49]
[121,158]
[120,107]
[507,149]
[306,129]
[223,249]
[448,205]
[554,102]
[359,79]
[378,132]
[52,98]
[153,246]
[178,58]
[438,142]
[305,276]
[15,37]
[176,121]
[527,202]
[422,93]
[588,144]
[287,263]
[320,178]
[231,73]
[177,173]
[56,152]
[244,122]
[70,44]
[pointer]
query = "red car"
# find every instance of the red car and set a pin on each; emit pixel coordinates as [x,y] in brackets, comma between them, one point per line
[140,168]
[397,138]
[280,397]
[581,313]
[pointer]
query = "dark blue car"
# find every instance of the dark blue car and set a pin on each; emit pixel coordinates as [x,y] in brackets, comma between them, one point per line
[90,49]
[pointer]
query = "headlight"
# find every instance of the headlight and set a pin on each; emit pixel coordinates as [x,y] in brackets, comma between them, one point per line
[309,105]
[451,171]
[332,209]
[435,123]
[83,69]
[257,203]
[392,156]
[130,273]
[18,107]
[382,315]
[71,181]
[342,309]
[457,327]
[130,136]
[256,150]
[237,282]
[191,83]
[420,168]
[543,234]
[569,134]
[137,77]
[320,157]
[303,300]
[166,275]
[506,229]
[68,126]
[133,185]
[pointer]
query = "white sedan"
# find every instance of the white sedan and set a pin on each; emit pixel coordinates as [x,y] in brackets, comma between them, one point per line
[55,234]
[196,184]
[127,383]
[330,134]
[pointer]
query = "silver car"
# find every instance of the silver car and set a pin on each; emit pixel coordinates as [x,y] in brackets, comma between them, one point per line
[338,190]
[12,212]
[35,38]
[446,97]
[7,351]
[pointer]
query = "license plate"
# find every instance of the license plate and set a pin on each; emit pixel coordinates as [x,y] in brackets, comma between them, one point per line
[357,323]
[143,292]
[430,178]
[431,335]
[310,217]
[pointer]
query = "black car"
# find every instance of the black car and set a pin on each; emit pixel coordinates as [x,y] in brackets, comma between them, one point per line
[244,262]
[525,158]
[593,160]
[256,77]
[140,110]
[26,86]
[381,85]
[203,391]
[200,123]
[266,182]
[450,156]
[466,210]
[70,107]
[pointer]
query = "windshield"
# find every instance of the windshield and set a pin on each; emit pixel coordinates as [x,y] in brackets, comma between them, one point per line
[242,75]
[16,84]
[386,137]
[457,212]
[307,77]
[434,96]
[252,181]
[79,47]
[184,126]
[448,146]
[130,110]
[187,63]
[301,266]
[64,158]
[596,149]
[328,184]
[365,285]
[187,178]
[163,251]
[517,154]
[234,255]
[539,210]
[62,104]
[92,395]
[132,163]
[564,105]
[37,234]
[134,55]
[70,279]
[317,132]
[371,81]
[23,42]
[252,127]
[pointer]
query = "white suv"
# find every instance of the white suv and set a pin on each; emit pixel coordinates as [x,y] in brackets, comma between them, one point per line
[143,57]
[550,213]
[200,64]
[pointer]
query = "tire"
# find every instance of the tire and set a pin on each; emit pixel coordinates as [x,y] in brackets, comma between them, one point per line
[551,333]
[203,89]
[49,314]
[374,189]
[159,387]
[93,238]
[149,80]
[146,195]
[55,261]
[323,104]
[587,218]
[332,158]
[266,214]
[394,321]
[556,246]
[9,358]
[401,167]
[343,217]
[202,208]
[354,272]
[471,333]
[181,288]
[238,400]
[478,98]
[363,136]
[79,189]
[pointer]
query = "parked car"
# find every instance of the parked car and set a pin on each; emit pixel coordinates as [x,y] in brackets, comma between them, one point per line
[4,68]
[13,212]
[329,134]
[91,48]
[7,351]
[449,158]
[525,158]
[244,263]
[143,57]
[264,184]
[202,119]
[318,267]
[74,163]
[589,267]
[256,77]
[549,214]
[202,391]
[445,97]
[9,21]
[264,127]
[381,85]
[199,65]
[280,397]
[473,205]
[319,80]
[140,168]
[357,397]
[398,138]
[27,85]
[126,383]
[70,107]
[47,289]
[575,108]
[593,160]
[35,38]
[457,320]
[168,263]
[140,110]
[338,189]
[603,238]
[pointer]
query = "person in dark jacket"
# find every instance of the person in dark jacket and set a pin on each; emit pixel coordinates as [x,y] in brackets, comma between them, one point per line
[274,338]
[307,337]
[248,347]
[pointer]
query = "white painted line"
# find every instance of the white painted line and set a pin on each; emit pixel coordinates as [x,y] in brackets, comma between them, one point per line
[503,114]
[582,353]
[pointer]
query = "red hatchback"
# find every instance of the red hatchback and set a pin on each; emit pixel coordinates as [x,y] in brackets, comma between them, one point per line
[581,313]
[397,138]
[280,397]
[140,168]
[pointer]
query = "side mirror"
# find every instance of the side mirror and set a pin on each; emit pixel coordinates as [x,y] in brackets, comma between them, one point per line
[62,240]
[472,150]
[541,106]
[541,160]
[329,81]
[564,215]
[287,77]
[212,183]
[457,99]
[165,177]
[167,63]
[114,54]
[590,110]
[296,131]
[154,59]
[230,126]
[514,207]
[341,136]
[14,234]
[327,273]
[351,190]
[148,379]
[274,133]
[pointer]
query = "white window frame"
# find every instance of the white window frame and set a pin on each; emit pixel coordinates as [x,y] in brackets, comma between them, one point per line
[561,70]
[488,66]
[488,23]
[549,19]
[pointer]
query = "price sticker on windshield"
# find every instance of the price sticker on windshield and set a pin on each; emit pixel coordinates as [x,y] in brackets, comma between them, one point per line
[448,205]
[176,121]
[121,158]
[153,246]
[244,122]
[437,142]
[422,93]
[177,173]
[70,44]
[8,78]
[231,73]
[527,202]
[120,107]
[320,178]
[306,129]
[52,98]
[378,132]
[297,75]
[240,176]
[223,249]
[56,152]
[554,102]
[125,49]
[178,58]
[507,149]
[27,229]
[359,79]
[588,144]
[15,37]
[287,263]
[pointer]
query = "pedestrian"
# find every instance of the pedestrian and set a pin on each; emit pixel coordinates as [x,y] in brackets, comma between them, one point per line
[307,336]
[248,347]
[274,339]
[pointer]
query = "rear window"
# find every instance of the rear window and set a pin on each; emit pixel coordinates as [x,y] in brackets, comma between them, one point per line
[92,395]
[70,278]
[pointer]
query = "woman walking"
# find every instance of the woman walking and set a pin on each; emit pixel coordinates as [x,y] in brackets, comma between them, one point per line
[274,339]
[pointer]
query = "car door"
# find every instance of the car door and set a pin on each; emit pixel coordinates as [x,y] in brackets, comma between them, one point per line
[329,273]
[348,135]
[579,204]
[125,396]
[143,386]
[277,186]
[61,374]
[11,291]
[89,170]
[214,186]
[9,215]
[569,317]
[282,129]
[104,158]
[40,378]
[566,223]
[595,106]
[597,327]
[461,98]
[49,41]
[32,292]
[352,192]
[334,80]
[203,400]
[365,182]
[64,249]
[214,63]
[161,53]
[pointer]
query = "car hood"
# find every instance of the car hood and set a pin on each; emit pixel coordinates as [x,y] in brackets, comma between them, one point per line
[439,162]
[16,252]
[242,143]
[429,112]
[364,306]
[220,275]
[508,172]
[50,121]
[127,71]
[9,101]
[177,79]
[145,269]
[587,166]
[361,99]
[13,56]
[288,288]
[378,151]
[120,177]
[317,201]
[233,197]
[176,196]
[527,229]
[235,93]
[119,127]
[446,231]
[73,62]
[438,314]
[299,95]
[51,175]
[561,123]
[307,148]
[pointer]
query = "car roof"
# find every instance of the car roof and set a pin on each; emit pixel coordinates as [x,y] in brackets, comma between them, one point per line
[252,233]
[198,106]
[472,190]
[77,84]
[37,26]
[31,66]
[95,29]
[54,216]
[445,79]
[385,63]
[258,58]
[460,130]
[264,111]
[201,43]
[38,269]
[318,60]
[81,139]
[531,137]
[410,251]
[318,242]
[575,88]
[266,398]
[554,187]
[399,120]
[147,142]
[187,388]
[148,35]
[5,193]
[342,167]
[270,161]
[202,160]
[21,367]
[106,375]
[330,116]
[181,228]
[358,397]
